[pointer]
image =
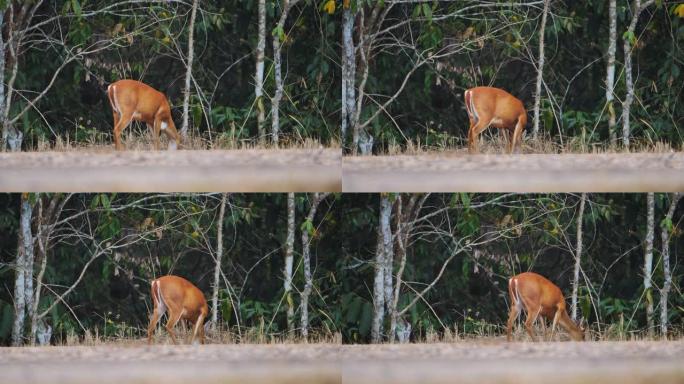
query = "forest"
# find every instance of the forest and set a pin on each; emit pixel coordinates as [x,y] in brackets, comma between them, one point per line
[351,268]
[373,76]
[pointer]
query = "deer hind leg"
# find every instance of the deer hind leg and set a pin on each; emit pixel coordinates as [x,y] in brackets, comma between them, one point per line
[123,122]
[156,315]
[474,132]
[512,317]
[532,314]
[174,316]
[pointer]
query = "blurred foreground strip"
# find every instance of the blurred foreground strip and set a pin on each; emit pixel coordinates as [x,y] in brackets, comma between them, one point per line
[298,170]
[606,172]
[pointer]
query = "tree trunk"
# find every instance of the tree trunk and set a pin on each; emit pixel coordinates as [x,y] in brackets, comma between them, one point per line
[540,72]
[306,257]
[3,143]
[217,265]
[277,70]
[378,291]
[665,230]
[610,71]
[289,251]
[259,77]
[23,284]
[388,249]
[188,71]
[401,246]
[578,257]
[648,262]
[348,77]
[637,8]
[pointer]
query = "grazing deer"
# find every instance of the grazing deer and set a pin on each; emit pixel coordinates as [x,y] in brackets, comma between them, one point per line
[539,297]
[181,300]
[133,100]
[488,106]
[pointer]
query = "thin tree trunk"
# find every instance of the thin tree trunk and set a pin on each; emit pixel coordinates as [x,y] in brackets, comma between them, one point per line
[188,71]
[665,231]
[306,257]
[348,77]
[578,257]
[378,291]
[648,262]
[23,298]
[610,70]
[2,81]
[289,251]
[259,86]
[637,8]
[401,246]
[277,70]
[217,265]
[540,71]
[388,249]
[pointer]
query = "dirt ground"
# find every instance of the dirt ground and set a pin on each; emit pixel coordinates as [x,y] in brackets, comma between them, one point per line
[466,362]
[292,170]
[449,172]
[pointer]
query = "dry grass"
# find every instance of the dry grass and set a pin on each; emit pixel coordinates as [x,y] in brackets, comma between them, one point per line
[125,335]
[492,142]
[141,140]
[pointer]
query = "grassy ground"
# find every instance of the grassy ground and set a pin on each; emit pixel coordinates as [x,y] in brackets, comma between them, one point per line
[486,360]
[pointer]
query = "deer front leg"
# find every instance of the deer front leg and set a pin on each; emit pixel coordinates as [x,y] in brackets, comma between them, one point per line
[156,132]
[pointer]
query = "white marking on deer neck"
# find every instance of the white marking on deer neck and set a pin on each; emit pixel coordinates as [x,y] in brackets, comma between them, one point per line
[164,126]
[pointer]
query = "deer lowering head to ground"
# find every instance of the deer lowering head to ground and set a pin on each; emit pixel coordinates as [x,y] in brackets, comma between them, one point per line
[180,299]
[539,297]
[488,106]
[132,100]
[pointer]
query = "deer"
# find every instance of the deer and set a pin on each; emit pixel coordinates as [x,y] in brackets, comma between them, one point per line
[489,106]
[539,297]
[133,100]
[181,300]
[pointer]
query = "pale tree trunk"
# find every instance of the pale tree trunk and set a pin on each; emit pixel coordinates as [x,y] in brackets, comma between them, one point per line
[378,291]
[2,80]
[188,71]
[540,72]
[610,70]
[665,232]
[388,249]
[23,285]
[277,71]
[217,265]
[648,262]
[348,77]
[578,257]
[637,8]
[259,77]
[404,225]
[401,247]
[289,252]
[306,258]
[45,218]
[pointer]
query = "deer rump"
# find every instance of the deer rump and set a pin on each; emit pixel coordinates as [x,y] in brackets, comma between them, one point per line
[180,303]
[489,106]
